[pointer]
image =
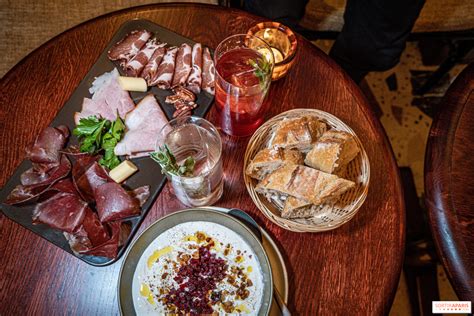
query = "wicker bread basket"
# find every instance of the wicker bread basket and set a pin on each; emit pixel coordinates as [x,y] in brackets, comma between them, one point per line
[329,216]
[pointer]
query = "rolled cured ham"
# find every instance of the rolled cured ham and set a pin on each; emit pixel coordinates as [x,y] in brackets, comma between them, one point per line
[129,46]
[183,65]
[164,75]
[195,78]
[149,72]
[134,67]
[208,72]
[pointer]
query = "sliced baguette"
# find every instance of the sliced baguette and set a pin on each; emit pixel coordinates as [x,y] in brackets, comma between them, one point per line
[269,159]
[299,133]
[295,208]
[332,152]
[304,183]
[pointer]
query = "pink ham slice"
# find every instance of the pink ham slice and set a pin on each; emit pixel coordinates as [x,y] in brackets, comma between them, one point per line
[129,46]
[194,79]
[208,72]
[134,67]
[183,65]
[108,98]
[143,126]
[115,203]
[164,74]
[149,73]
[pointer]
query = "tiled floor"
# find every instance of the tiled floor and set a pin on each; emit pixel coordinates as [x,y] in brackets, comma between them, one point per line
[407,126]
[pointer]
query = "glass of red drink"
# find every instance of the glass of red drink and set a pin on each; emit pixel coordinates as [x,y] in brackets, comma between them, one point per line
[244,65]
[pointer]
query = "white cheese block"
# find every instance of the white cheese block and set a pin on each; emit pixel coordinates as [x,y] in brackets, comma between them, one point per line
[133,84]
[123,171]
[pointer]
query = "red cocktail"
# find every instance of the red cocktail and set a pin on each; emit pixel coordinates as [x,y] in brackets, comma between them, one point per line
[243,74]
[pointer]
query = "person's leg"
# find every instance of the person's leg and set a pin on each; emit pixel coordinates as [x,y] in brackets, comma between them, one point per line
[374,35]
[288,12]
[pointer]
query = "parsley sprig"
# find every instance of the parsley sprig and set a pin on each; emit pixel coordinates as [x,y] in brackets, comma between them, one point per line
[165,158]
[97,134]
[261,68]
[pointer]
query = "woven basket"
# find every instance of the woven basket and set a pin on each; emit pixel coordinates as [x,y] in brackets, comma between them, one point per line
[330,216]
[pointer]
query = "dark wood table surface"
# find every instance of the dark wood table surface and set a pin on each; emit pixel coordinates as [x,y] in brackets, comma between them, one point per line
[353,269]
[449,183]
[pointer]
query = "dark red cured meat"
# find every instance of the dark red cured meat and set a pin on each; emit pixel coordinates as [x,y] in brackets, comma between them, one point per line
[25,193]
[88,175]
[129,46]
[109,248]
[63,211]
[65,185]
[141,194]
[149,73]
[47,145]
[115,203]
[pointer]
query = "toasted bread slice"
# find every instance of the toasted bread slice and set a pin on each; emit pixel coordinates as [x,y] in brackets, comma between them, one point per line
[295,208]
[269,159]
[298,133]
[304,183]
[332,152]
[311,185]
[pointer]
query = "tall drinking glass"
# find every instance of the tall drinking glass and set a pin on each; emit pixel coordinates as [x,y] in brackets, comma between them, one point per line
[244,65]
[196,138]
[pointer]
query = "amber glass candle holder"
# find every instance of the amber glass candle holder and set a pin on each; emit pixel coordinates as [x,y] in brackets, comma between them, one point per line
[283,43]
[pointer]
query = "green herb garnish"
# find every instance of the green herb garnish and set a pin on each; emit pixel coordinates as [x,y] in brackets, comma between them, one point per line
[261,68]
[165,158]
[97,134]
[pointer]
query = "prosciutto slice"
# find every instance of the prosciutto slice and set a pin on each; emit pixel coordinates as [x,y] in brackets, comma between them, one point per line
[108,98]
[115,203]
[149,73]
[183,65]
[129,46]
[164,74]
[143,126]
[88,175]
[64,211]
[135,66]
[194,79]
[208,72]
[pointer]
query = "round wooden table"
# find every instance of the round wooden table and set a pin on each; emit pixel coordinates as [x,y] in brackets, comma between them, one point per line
[449,176]
[353,269]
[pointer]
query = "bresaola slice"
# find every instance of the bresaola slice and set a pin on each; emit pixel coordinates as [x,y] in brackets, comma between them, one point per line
[208,72]
[88,175]
[164,75]
[129,46]
[135,66]
[24,193]
[63,211]
[115,203]
[47,145]
[195,78]
[149,73]
[183,65]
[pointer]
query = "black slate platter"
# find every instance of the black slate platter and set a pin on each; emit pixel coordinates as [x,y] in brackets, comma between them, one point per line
[149,173]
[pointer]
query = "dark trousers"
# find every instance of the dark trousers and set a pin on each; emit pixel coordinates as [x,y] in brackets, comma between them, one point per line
[373,36]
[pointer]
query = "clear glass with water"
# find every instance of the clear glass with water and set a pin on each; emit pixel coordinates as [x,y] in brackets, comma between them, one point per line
[197,138]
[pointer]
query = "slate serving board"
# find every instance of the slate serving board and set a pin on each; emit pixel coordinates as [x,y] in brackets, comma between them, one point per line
[149,172]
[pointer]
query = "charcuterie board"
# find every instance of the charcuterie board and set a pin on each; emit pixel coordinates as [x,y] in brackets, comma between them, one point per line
[149,173]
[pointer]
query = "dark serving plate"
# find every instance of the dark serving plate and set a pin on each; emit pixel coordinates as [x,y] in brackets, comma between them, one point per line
[149,173]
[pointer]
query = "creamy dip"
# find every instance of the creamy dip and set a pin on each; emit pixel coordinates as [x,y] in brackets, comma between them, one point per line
[162,274]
